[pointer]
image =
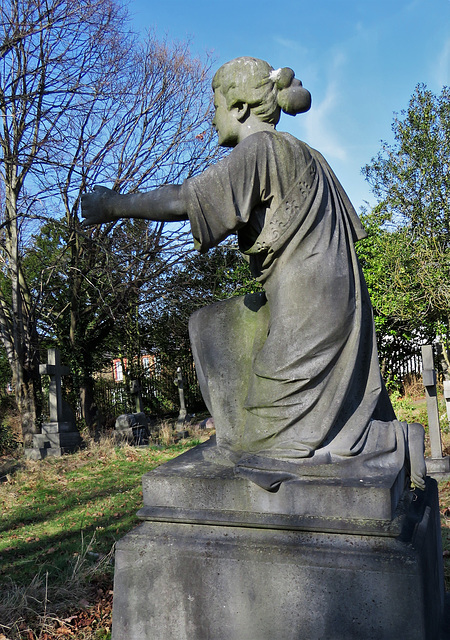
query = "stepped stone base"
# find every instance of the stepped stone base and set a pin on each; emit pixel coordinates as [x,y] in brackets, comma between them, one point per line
[219,558]
[438,466]
[56,438]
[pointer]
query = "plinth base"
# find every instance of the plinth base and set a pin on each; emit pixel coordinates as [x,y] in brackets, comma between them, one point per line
[56,439]
[254,578]
[438,467]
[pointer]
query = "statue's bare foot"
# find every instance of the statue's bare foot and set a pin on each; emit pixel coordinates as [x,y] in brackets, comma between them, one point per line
[416,449]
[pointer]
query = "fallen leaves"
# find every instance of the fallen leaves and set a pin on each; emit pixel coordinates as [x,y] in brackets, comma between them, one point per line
[86,622]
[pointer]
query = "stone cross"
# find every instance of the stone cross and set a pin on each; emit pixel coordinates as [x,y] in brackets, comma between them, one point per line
[55,370]
[135,391]
[179,382]
[447,397]
[437,463]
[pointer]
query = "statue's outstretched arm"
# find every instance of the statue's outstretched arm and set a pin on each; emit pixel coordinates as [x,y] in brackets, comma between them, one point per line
[104,205]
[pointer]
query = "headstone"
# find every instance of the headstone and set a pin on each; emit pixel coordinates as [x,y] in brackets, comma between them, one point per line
[132,428]
[183,415]
[59,435]
[180,384]
[447,397]
[437,463]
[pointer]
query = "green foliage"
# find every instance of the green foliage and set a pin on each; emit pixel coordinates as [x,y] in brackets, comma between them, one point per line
[9,441]
[406,259]
[200,279]
[404,408]
[5,370]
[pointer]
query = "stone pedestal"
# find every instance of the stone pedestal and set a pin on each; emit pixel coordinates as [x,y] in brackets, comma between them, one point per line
[55,439]
[437,467]
[219,558]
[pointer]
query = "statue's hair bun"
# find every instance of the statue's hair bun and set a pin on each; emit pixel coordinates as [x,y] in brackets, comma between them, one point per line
[292,97]
[282,77]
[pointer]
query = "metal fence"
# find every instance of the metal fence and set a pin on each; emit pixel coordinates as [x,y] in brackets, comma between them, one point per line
[158,390]
[399,358]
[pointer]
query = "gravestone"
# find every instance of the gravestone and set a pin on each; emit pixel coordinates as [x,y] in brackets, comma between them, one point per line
[183,417]
[437,464]
[180,384]
[133,427]
[446,385]
[59,435]
[323,558]
[135,391]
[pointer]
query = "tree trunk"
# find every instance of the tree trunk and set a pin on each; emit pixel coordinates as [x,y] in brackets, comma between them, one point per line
[18,327]
[89,410]
[26,393]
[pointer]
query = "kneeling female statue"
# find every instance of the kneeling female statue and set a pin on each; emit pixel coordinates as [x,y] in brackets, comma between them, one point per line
[290,376]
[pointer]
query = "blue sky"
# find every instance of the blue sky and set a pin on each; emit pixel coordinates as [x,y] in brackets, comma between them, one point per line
[361,60]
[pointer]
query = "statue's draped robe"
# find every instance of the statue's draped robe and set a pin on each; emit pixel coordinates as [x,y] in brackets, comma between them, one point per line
[315,383]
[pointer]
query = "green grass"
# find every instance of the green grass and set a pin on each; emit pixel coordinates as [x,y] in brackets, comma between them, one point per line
[62,516]
[51,508]
[60,520]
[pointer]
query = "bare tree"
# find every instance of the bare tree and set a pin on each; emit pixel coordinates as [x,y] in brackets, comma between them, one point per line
[155,128]
[51,53]
[83,102]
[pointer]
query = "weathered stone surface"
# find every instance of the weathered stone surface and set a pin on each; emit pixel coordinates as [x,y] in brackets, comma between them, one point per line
[39,453]
[128,420]
[438,465]
[132,427]
[191,488]
[205,582]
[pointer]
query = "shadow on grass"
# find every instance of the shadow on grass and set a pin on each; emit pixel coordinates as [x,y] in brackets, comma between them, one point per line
[57,553]
[45,529]
[31,514]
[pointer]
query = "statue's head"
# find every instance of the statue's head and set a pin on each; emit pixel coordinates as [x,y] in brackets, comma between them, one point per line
[267,92]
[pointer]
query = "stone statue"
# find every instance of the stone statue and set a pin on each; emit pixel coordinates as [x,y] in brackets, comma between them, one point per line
[290,376]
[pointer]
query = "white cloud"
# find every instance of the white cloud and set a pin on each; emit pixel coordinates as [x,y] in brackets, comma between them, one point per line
[291,45]
[319,128]
[319,123]
[442,70]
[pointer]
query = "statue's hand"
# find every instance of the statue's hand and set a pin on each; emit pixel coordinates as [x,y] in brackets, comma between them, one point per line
[98,207]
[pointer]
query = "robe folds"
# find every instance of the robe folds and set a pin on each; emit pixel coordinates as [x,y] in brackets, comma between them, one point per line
[291,374]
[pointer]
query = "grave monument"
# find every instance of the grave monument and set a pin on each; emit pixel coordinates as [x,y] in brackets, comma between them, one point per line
[59,435]
[437,465]
[299,522]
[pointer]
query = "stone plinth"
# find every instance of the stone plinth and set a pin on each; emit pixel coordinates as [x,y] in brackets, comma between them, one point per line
[219,558]
[438,466]
[55,439]
[192,489]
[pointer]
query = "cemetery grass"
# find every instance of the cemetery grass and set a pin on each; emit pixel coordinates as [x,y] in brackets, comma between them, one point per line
[60,520]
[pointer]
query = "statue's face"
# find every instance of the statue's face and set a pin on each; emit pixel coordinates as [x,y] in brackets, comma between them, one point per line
[225,121]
